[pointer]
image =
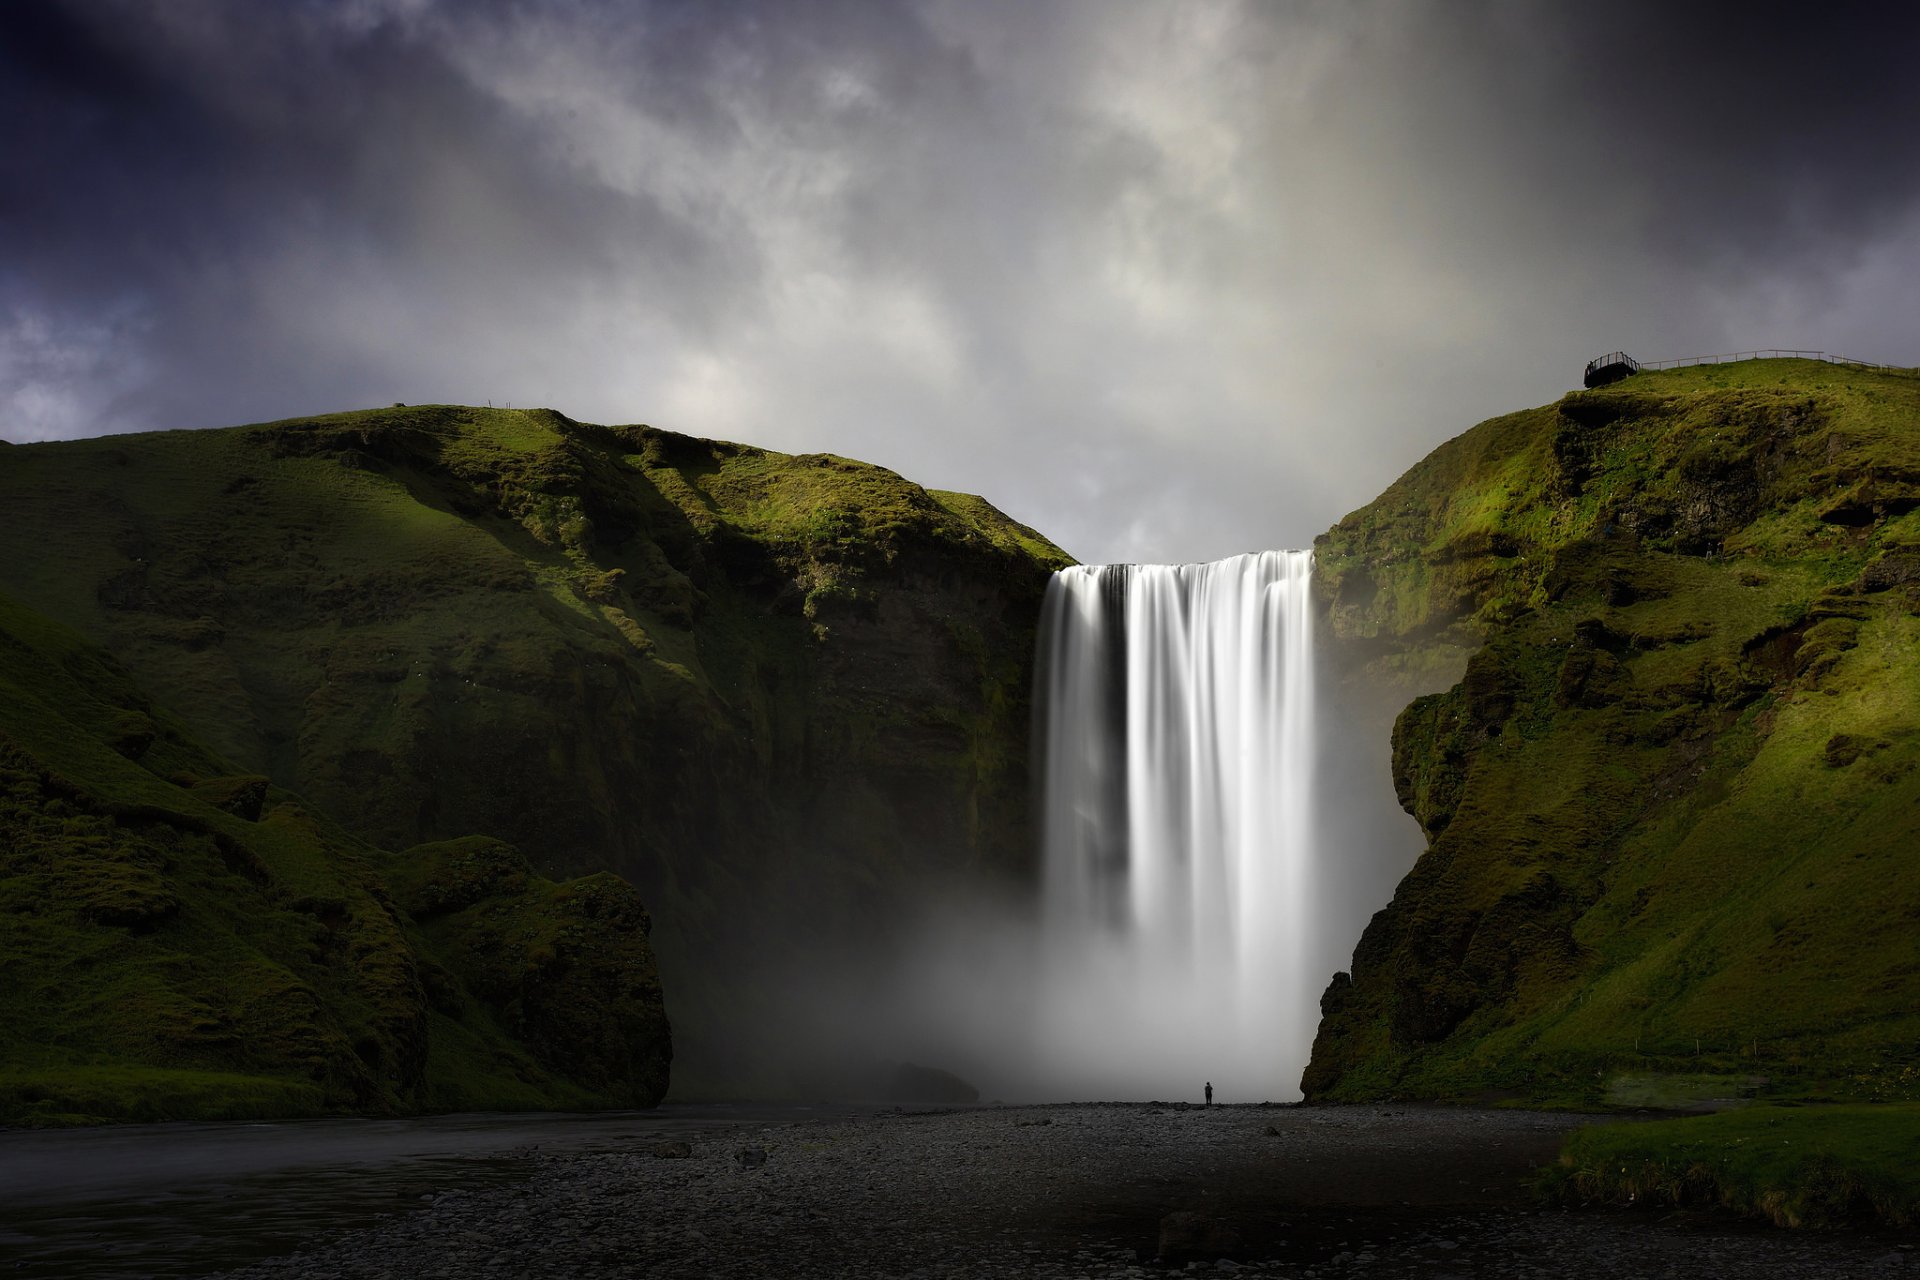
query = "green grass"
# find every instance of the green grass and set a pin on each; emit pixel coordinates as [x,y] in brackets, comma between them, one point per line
[1796,1167]
[80,1094]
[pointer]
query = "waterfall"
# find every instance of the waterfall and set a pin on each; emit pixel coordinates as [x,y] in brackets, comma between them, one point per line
[1176,744]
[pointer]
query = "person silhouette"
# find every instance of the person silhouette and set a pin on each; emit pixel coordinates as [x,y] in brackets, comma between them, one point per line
[1209,1101]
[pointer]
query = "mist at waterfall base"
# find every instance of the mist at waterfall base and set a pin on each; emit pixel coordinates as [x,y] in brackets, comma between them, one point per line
[1218,822]
[1177,751]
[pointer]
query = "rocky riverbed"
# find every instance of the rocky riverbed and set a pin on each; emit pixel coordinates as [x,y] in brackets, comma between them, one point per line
[1072,1190]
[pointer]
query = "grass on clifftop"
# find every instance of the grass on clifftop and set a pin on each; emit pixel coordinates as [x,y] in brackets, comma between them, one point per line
[1796,1167]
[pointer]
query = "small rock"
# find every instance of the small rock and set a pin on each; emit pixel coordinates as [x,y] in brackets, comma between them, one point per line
[750,1157]
[1193,1236]
[1272,1132]
[673,1151]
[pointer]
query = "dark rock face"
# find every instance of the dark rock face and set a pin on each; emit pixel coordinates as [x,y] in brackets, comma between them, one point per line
[768,691]
[1666,790]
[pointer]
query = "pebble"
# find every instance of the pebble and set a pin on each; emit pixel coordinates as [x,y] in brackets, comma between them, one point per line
[989,1193]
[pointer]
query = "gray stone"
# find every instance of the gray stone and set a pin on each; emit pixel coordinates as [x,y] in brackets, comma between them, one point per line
[1192,1235]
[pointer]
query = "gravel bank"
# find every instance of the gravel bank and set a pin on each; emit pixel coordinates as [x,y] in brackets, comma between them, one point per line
[1078,1190]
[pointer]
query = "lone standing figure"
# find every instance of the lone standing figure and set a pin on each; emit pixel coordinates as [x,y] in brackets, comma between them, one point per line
[1209,1093]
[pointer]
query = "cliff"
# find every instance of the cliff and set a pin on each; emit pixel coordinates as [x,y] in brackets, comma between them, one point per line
[1669,797]
[770,692]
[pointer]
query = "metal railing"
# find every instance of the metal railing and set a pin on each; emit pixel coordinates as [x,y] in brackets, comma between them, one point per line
[1613,358]
[1728,357]
[1620,360]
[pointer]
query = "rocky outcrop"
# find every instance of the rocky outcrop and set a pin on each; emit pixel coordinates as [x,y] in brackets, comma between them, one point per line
[1668,778]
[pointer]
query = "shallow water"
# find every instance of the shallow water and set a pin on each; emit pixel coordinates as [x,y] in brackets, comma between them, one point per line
[179,1200]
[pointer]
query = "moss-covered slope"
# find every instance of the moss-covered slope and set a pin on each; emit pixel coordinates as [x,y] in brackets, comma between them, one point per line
[1671,802]
[181,941]
[766,690]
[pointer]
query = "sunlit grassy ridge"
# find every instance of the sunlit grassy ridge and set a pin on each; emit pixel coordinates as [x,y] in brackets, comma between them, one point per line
[179,941]
[1671,802]
[768,690]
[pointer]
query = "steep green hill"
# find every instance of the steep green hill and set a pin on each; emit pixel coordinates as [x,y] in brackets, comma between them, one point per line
[769,691]
[1672,811]
[181,941]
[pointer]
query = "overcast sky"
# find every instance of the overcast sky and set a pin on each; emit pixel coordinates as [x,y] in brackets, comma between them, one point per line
[1167,280]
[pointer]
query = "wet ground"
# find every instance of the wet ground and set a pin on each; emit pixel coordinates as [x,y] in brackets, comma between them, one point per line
[1079,1190]
[181,1200]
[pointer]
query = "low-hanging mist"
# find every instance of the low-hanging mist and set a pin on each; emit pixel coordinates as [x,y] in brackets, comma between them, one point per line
[1216,823]
[1177,753]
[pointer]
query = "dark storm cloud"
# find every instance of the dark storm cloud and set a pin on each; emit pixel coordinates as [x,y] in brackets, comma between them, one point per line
[181,169]
[1759,130]
[152,141]
[85,156]
[1776,126]
[1169,280]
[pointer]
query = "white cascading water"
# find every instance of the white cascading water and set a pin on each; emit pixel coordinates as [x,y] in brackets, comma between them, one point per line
[1177,744]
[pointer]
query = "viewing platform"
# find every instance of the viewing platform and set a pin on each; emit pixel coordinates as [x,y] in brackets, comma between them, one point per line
[1610,367]
[1616,365]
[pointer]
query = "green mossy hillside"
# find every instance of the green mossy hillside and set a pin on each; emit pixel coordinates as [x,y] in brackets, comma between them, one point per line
[562,968]
[769,691]
[1820,1167]
[181,941]
[1671,802]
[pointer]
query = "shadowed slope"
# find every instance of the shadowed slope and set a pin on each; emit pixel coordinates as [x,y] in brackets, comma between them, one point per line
[770,691]
[183,942]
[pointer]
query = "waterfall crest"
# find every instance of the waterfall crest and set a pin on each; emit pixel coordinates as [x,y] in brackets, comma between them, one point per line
[1176,743]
